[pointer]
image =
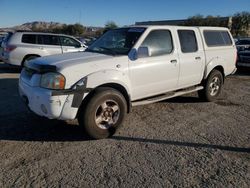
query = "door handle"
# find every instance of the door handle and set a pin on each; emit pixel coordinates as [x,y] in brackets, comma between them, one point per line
[198,58]
[173,61]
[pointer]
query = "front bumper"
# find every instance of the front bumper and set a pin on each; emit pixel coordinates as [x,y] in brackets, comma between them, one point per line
[42,102]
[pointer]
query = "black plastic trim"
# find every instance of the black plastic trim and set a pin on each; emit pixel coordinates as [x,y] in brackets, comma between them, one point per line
[70,91]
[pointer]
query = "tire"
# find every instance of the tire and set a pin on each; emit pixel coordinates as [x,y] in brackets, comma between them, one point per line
[212,86]
[103,114]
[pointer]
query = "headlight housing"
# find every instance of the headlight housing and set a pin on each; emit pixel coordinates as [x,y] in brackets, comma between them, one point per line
[52,80]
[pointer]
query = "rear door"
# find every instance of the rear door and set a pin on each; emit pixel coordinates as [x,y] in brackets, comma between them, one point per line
[192,57]
[70,45]
[49,44]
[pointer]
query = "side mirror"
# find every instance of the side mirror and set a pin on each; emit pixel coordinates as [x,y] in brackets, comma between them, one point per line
[143,52]
[83,46]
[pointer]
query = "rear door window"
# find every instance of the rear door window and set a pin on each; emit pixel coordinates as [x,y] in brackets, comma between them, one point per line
[29,38]
[188,41]
[217,38]
[48,40]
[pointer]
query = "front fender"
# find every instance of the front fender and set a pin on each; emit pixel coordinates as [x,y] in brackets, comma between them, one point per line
[75,97]
[107,77]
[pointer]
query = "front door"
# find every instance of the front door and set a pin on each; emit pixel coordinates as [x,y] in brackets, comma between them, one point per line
[157,73]
[70,45]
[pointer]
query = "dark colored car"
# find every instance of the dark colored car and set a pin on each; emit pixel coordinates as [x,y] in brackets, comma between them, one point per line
[243,44]
[243,59]
[243,47]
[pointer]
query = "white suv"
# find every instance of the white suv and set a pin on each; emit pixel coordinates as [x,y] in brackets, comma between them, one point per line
[22,46]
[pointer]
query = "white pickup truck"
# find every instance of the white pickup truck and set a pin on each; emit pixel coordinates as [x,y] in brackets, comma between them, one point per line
[128,67]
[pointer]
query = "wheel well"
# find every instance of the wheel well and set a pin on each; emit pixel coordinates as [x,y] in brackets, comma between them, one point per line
[221,69]
[218,68]
[27,56]
[115,86]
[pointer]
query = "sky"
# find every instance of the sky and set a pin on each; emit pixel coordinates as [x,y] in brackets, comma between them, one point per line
[122,12]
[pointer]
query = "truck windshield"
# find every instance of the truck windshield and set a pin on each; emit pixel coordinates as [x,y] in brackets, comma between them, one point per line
[117,41]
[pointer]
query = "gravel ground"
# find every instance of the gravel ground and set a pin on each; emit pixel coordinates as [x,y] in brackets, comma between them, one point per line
[181,142]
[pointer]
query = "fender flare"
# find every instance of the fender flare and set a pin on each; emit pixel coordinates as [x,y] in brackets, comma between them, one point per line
[218,63]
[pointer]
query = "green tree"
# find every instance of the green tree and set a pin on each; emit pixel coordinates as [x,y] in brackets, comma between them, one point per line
[196,20]
[241,23]
[76,29]
[110,25]
[200,20]
[99,32]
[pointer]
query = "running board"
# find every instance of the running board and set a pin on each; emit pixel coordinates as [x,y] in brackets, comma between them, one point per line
[166,96]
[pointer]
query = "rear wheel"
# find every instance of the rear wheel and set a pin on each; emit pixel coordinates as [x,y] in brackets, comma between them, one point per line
[103,114]
[212,86]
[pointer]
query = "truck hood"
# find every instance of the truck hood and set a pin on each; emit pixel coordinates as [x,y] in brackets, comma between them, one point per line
[63,61]
[75,66]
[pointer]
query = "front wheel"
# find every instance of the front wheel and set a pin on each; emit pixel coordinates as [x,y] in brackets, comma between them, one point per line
[212,86]
[103,114]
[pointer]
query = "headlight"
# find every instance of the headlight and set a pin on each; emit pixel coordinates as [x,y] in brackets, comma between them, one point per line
[52,80]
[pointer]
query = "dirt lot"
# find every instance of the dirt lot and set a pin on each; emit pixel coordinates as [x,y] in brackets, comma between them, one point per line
[182,142]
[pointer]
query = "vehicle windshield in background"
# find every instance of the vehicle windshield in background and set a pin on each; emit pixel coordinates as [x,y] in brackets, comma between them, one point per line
[117,41]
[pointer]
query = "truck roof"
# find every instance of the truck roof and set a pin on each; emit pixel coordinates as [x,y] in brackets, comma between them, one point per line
[177,26]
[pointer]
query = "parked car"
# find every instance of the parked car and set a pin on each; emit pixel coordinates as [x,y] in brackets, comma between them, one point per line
[90,40]
[128,67]
[243,44]
[243,59]
[2,41]
[235,40]
[19,47]
[243,47]
[1,49]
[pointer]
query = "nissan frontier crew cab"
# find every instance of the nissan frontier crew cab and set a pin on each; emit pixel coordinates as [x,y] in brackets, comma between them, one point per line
[128,67]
